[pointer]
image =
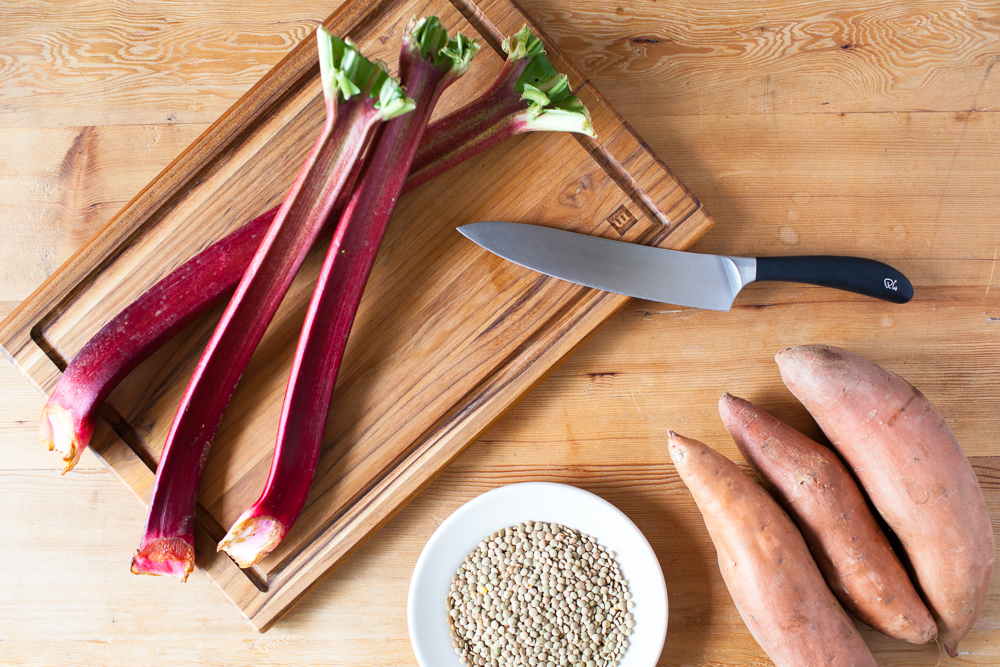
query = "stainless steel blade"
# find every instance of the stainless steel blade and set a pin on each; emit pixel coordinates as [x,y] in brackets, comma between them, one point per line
[669,276]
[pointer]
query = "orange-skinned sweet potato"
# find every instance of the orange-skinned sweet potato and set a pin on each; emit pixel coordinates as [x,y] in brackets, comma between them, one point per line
[913,469]
[820,495]
[766,565]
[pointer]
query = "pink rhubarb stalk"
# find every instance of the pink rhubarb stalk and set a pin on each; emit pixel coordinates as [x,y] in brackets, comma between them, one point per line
[429,63]
[138,331]
[359,95]
[510,106]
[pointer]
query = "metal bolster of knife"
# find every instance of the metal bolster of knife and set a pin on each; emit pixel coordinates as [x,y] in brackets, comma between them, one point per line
[741,272]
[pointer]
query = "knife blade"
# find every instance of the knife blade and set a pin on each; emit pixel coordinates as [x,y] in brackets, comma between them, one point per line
[669,276]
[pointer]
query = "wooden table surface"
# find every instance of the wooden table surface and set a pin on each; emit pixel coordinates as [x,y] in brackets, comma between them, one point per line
[806,126]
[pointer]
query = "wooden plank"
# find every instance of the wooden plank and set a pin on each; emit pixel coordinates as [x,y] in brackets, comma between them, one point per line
[60,185]
[920,155]
[447,338]
[667,50]
[949,352]
[807,56]
[96,63]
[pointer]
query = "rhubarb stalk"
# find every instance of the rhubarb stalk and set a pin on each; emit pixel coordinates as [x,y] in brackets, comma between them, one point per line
[359,95]
[526,96]
[429,63]
[139,330]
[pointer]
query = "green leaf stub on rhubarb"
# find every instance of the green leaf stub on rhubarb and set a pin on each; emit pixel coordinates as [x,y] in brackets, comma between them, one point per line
[551,104]
[392,102]
[345,73]
[523,44]
[459,51]
[428,37]
[553,107]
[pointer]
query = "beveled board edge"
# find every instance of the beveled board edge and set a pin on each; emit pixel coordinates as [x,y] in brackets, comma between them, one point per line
[653,188]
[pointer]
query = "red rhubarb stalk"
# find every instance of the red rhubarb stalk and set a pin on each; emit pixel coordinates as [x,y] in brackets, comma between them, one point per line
[429,63]
[508,107]
[140,329]
[359,95]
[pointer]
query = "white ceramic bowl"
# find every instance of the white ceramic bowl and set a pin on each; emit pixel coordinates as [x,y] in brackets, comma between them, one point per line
[426,609]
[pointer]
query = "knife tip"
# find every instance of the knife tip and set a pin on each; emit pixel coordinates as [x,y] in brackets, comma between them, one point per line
[473,230]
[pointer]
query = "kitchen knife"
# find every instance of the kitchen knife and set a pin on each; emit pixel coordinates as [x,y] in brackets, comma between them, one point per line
[669,276]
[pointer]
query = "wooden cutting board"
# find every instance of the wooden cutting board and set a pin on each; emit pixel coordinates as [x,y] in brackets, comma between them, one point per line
[448,337]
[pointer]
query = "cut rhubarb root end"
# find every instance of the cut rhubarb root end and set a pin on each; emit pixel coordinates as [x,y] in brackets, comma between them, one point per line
[166,556]
[252,538]
[137,331]
[58,433]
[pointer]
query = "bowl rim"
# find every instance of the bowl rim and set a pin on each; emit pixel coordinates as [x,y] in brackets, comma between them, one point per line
[549,502]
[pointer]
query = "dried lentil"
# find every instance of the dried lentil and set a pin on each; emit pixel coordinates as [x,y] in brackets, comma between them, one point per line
[540,595]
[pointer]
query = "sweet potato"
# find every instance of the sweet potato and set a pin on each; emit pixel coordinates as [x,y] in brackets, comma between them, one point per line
[820,495]
[913,469]
[766,565]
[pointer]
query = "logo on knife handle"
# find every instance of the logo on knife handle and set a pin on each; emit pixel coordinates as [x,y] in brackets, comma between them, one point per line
[622,220]
[890,283]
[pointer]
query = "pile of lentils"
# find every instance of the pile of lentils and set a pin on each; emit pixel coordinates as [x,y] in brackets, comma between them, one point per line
[540,595]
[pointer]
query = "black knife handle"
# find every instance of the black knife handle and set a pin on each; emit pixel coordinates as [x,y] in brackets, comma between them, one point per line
[852,274]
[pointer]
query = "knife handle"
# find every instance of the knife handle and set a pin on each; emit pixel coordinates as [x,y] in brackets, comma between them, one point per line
[852,274]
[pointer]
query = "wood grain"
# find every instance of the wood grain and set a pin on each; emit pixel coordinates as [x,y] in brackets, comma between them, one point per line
[604,411]
[615,403]
[60,185]
[104,63]
[803,56]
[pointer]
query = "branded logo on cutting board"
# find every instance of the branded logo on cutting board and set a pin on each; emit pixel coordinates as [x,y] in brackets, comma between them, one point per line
[622,220]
